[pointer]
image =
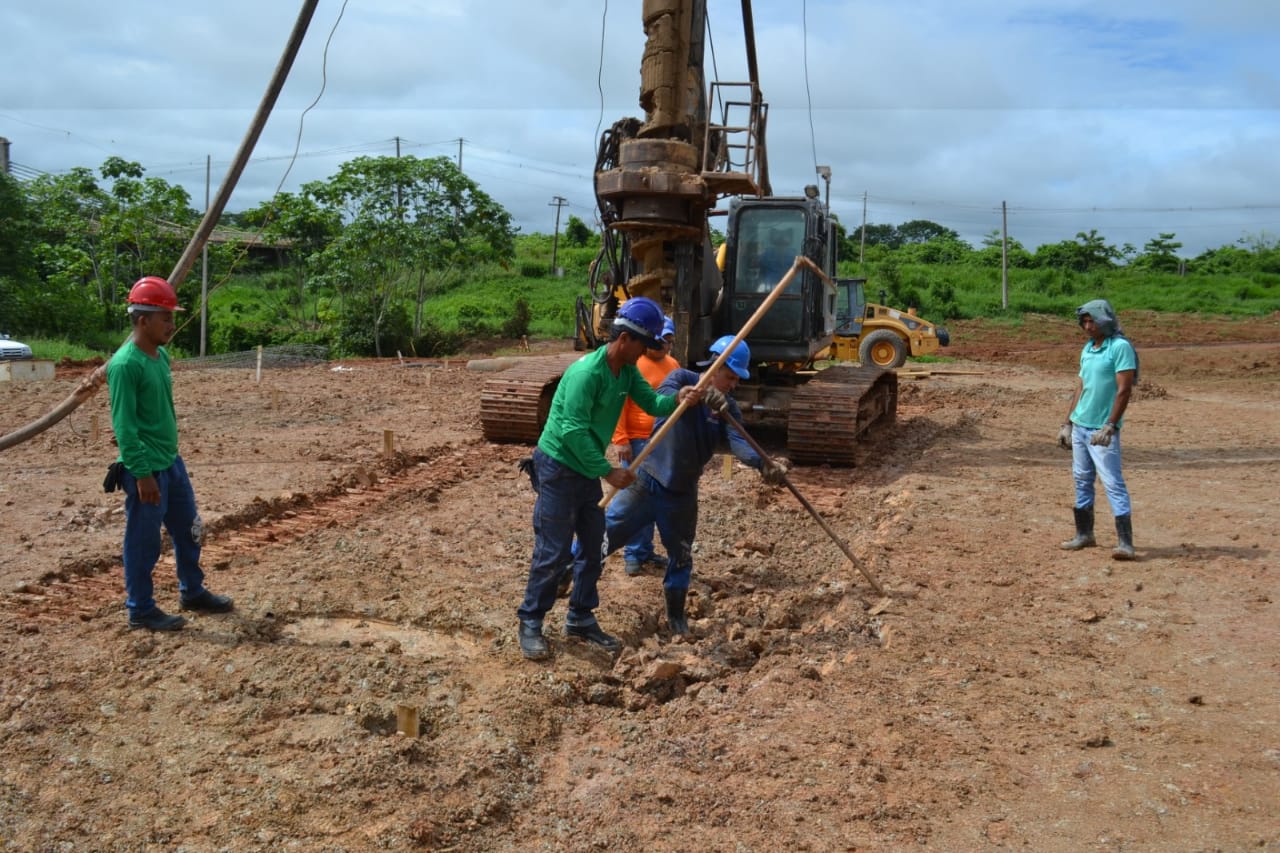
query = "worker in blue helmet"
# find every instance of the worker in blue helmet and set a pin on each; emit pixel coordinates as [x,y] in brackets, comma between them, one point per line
[569,463]
[665,491]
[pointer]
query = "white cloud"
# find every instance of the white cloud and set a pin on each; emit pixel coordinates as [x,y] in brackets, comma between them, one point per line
[1129,116]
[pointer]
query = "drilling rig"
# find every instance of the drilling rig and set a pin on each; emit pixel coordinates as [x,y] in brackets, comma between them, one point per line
[658,182]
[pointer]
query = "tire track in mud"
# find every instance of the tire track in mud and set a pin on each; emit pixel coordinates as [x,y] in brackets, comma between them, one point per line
[81,590]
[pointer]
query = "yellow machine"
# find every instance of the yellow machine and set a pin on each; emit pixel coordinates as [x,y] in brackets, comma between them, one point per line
[875,334]
[657,182]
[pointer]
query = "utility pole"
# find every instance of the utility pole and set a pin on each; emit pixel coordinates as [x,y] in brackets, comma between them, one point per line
[1004,254]
[204,263]
[557,202]
[862,249]
[399,194]
[459,153]
[4,156]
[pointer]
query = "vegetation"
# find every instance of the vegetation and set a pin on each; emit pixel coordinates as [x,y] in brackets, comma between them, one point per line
[410,255]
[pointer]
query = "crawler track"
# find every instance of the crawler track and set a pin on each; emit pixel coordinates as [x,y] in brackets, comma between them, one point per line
[832,411]
[514,404]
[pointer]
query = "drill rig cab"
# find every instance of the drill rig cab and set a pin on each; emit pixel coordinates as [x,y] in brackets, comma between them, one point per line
[657,183]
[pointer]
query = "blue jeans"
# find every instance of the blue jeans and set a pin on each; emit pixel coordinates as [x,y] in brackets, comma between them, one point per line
[1090,461]
[646,503]
[142,539]
[639,548]
[566,505]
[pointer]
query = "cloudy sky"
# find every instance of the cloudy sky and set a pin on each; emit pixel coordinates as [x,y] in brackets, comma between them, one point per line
[1132,117]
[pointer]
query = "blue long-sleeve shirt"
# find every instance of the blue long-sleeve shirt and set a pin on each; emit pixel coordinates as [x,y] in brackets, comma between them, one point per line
[677,461]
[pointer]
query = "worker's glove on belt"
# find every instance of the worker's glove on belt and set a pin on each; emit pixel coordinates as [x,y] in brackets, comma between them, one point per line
[1102,437]
[1064,436]
[774,472]
[714,399]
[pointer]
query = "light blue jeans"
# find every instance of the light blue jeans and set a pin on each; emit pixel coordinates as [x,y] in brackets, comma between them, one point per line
[142,522]
[1089,462]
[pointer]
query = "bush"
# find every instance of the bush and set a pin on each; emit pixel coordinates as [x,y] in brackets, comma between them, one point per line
[517,326]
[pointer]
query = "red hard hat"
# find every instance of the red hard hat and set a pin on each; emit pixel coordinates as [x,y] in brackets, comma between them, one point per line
[153,292]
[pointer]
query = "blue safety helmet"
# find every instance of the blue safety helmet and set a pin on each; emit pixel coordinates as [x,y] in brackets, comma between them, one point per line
[739,361]
[668,326]
[642,318]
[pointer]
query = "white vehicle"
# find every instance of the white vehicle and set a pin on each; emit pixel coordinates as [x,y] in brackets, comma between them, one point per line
[11,350]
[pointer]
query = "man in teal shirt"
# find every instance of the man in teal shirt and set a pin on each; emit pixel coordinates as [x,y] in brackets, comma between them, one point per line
[1108,371]
[569,463]
[154,478]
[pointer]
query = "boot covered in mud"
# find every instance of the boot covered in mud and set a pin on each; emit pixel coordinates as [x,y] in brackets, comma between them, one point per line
[1124,539]
[675,610]
[1084,531]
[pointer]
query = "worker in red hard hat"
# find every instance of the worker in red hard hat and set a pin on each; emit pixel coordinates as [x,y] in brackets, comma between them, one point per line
[149,469]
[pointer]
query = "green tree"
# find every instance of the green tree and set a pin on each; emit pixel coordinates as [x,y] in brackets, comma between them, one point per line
[922,231]
[93,240]
[403,218]
[576,232]
[17,260]
[991,254]
[1159,254]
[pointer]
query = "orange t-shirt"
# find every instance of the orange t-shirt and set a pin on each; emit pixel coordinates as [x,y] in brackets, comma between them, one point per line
[635,422]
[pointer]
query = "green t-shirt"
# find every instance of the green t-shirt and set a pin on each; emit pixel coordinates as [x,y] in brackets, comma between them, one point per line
[1098,369]
[585,411]
[142,413]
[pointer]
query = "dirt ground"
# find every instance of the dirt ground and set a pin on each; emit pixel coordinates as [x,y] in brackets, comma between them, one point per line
[1012,695]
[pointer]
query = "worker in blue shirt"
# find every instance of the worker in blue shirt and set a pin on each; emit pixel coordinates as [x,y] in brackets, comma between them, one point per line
[665,492]
[1108,372]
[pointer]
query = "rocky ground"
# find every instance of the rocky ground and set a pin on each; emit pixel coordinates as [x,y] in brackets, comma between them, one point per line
[1010,695]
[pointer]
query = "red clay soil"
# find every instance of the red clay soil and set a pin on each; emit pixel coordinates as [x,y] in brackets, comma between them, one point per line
[1011,695]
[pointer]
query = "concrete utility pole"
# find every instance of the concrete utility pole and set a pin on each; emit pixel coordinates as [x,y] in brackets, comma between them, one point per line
[557,202]
[1004,254]
[4,156]
[862,249]
[459,153]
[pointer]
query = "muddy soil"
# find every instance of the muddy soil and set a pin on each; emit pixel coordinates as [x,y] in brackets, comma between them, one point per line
[1011,695]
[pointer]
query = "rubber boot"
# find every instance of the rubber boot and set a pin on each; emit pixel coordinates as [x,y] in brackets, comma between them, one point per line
[675,610]
[1084,531]
[1124,536]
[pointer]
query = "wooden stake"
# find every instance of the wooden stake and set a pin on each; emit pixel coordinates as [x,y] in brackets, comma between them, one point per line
[93,429]
[407,720]
[728,467]
[275,398]
[258,375]
[388,443]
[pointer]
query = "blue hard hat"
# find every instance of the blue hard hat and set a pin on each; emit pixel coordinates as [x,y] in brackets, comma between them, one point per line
[668,326]
[739,361]
[642,318]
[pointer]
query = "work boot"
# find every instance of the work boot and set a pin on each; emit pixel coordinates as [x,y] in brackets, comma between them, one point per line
[532,644]
[633,568]
[157,620]
[675,610]
[1084,531]
[595,635]
[1124,535]
[207,602]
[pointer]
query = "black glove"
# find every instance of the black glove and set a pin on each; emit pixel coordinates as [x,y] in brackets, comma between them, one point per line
[112,481]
